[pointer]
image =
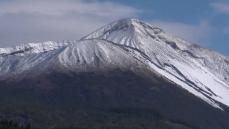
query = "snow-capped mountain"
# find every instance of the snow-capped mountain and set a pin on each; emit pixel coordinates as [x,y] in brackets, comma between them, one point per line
[127,71]
[127,44]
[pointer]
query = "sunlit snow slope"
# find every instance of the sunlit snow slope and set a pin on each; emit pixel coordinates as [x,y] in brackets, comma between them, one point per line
[198,70]
[127,44]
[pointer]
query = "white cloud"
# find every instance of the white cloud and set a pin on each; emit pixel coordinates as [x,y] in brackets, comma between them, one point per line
[64,7]
[194,33]
[220,7]
[33,20]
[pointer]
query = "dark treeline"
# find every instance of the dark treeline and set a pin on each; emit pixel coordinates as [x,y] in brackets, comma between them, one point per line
[10,124]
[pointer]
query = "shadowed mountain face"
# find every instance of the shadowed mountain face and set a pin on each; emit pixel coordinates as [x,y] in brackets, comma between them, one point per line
[126,75]
[115,99]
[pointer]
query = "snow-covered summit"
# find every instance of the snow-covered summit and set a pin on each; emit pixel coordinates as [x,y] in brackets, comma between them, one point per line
[125,32]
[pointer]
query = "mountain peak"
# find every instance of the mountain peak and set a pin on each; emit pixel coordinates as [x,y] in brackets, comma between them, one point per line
[127,24]
[126,32]
[128,21]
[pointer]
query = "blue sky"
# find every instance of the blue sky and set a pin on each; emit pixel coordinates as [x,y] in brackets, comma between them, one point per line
[204,22]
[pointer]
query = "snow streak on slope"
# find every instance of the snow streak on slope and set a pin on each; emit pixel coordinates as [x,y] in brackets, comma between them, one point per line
[197,70]
[31,48]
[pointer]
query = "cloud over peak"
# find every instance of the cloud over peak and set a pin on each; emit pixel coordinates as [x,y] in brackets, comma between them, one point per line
[65,7]
[33,20]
